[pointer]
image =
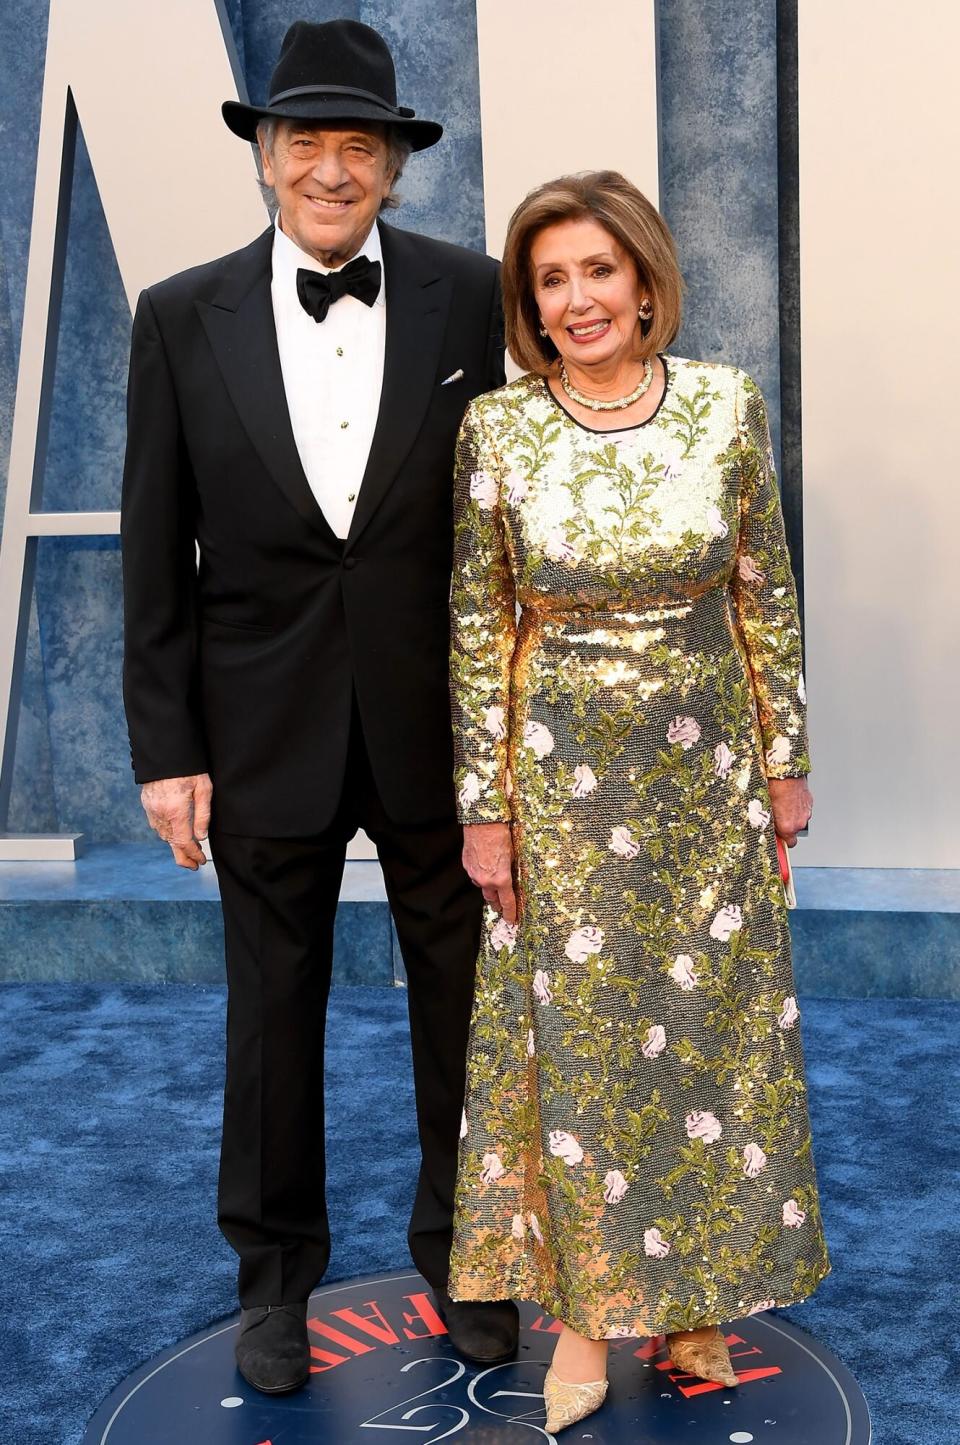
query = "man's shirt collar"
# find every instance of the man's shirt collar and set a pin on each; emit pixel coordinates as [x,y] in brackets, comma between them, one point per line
[288,258]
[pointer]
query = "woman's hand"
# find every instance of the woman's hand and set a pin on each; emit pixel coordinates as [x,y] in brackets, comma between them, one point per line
[792,804]
[488,859]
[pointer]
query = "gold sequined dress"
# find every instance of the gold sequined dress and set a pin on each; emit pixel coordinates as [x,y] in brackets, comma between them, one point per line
[635,1149]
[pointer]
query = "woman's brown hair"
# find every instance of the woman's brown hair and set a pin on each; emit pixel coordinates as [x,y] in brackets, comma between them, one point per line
[608,198]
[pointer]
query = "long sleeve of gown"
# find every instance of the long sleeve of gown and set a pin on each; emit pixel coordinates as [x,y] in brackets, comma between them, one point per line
[483,630]
[765,597]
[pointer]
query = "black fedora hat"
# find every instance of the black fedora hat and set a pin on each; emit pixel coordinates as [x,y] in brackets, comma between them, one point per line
[340,70]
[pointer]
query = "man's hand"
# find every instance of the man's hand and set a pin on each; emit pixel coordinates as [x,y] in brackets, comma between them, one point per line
[488,859]
[792,804]
[178,811]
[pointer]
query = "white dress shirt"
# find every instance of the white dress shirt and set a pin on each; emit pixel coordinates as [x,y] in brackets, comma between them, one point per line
[332,375]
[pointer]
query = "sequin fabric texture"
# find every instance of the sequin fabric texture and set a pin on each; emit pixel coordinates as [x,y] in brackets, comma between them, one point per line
[635,1151]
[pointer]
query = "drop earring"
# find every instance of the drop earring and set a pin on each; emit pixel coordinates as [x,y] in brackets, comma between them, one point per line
[646,315]
[542,329]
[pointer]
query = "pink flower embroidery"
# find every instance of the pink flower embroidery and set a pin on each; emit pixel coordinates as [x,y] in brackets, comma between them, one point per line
[754,1160]
[789,1013]
[516,1228]
[503,935]
[765,1304]
[469,790]
[535,1229]
[531,1045]
[517,487]
[541,986]
[463,1124]
[585,780]
[565,1147]
[723,760]
[793,1215]
[716,525]
[654,1244]
[801,688]
[558,549]
[749,571]
[483,490]
[538,738]
[685,731]
[672,466]
[757,815]
[682,972]
[614,1186]
[492,1169]
[778,752]
[703,1125]
[621,842]
[727,921]
[582,942]
[495,722]
[656,1041]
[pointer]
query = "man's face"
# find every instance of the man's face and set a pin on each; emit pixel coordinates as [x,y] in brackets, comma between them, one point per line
[330,181]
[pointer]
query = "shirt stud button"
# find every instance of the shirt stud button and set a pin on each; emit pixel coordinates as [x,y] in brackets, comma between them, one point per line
[339,350]
[344,425]
[352,497]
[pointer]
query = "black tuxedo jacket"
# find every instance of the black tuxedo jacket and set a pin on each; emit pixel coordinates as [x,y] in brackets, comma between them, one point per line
[244,665]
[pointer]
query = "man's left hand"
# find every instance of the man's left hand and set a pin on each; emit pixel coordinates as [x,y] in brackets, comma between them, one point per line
[792,804]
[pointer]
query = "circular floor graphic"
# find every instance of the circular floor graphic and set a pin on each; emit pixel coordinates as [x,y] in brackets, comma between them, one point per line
[384,1372]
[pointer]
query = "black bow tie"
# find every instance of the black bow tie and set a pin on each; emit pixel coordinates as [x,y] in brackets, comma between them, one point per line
[360,278]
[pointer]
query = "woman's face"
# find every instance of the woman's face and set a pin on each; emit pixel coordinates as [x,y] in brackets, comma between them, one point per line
[588,292]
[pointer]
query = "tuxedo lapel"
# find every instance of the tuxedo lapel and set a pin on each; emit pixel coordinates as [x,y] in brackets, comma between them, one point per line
[418,300]
[240,327]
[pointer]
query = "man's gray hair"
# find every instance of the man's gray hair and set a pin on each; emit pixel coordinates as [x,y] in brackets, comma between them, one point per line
[399,150]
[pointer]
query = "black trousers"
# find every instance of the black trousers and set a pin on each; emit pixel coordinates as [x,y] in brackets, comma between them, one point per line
[279,899]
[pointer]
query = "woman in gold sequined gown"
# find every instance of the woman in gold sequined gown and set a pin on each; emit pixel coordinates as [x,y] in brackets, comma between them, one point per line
[636,1150]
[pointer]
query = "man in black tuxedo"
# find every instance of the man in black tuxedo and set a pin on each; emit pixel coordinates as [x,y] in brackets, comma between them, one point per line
[292,414]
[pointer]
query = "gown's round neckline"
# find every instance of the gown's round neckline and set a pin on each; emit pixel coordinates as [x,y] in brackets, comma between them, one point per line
[599,431]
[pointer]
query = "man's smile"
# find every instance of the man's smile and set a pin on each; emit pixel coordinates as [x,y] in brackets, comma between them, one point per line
[323,204]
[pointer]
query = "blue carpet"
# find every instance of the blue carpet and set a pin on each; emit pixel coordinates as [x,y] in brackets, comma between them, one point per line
[109,1115]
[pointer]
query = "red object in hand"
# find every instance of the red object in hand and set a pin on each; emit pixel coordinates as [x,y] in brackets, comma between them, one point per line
[783,860]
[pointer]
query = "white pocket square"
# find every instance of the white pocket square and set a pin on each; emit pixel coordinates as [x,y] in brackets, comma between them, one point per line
[454,376]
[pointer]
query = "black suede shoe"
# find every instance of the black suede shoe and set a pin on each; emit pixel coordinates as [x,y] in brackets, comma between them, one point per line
[485,1331]
[272,1350]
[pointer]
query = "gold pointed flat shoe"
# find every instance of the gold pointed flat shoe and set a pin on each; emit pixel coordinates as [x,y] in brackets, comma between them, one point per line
[567,1403]
[708,1359]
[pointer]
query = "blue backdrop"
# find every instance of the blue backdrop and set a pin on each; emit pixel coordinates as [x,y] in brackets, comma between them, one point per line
[718,101]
